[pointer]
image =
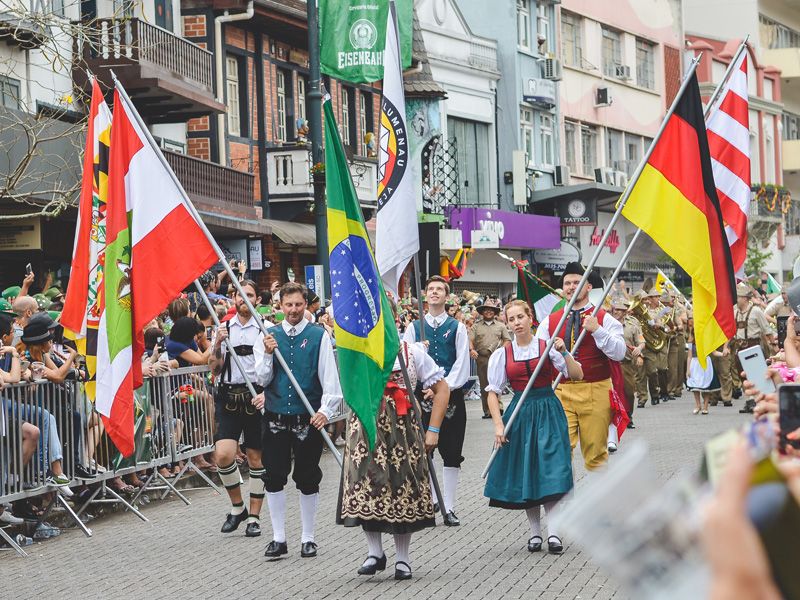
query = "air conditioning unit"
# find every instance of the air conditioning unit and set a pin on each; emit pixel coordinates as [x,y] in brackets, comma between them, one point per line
[622,72]
[620,178]
[561,175]
[552,69]
[602,97]
[604,175]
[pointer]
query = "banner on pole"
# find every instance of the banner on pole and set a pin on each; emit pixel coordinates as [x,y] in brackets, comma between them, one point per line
[353,37]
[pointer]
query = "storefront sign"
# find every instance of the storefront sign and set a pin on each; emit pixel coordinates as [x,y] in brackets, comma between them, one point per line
[22,234]
[315,280]
[577,212]
[513,230]
[254,250]
[612,241]
[233,250]
[484,238]
[539,91]
[556,259]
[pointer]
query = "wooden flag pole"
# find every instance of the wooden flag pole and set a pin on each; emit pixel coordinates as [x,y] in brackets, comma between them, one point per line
[221,256]
[570,303]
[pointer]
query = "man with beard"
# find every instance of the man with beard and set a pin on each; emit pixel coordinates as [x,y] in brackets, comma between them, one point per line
[236,411]
[586,403]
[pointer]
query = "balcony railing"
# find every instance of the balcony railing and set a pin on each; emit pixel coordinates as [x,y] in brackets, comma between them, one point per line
[483,55]
[137,42]
[213,184]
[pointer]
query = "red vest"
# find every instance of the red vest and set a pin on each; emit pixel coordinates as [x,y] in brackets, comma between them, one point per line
[520,371]
[595,364]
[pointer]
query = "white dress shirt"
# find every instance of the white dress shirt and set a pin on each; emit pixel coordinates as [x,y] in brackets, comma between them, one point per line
[459,374]
[496,371]
[428,372]
[327,371]
[608,338]
[248,334]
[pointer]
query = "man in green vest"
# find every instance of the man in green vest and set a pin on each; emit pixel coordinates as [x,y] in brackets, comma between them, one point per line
[289,432]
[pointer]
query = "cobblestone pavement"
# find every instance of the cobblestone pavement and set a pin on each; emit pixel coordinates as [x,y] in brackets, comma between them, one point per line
[180,553]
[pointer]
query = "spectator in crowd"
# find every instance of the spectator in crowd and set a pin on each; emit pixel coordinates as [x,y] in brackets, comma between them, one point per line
[187,343]
[177,309]
[24,308]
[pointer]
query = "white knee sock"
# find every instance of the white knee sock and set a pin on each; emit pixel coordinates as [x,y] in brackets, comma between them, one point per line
[450,475]
[402,545]
[534,520]
[276,501]
[612,434]
[548,507]
[308,515]
[374,543]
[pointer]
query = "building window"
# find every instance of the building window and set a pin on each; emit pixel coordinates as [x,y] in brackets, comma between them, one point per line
[570,145]
[791,126]
[524,24]
[301,98]
[588,149]
[546,139]
[612,51]
[777,35]
[348,123]
[543,29]
[755,148]
[526,131]
[615,158]
[472,143]
[9,93]
[233,108]
[633,153]
[571,39]
[366,119]
[769,148]
[645,64]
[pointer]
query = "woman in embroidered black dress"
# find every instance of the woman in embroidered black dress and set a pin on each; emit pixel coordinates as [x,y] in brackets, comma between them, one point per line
[388,490]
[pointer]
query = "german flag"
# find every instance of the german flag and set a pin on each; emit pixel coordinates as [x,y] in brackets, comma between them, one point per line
[675,202]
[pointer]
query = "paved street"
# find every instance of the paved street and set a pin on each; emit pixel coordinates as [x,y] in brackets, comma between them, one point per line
[181,554]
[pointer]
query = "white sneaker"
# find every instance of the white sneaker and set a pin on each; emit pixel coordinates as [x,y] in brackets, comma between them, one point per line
[66,492]
[612,447]
[99,468]
[9,519]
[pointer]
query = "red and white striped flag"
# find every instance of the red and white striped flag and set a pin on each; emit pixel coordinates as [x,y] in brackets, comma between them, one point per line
[729,143]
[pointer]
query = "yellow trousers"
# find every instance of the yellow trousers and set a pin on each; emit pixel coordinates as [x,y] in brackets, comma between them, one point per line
[588,411]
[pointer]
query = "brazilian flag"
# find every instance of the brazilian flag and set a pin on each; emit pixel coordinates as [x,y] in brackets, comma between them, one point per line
[367,341]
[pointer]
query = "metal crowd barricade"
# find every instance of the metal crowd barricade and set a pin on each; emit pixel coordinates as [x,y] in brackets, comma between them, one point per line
[40,434]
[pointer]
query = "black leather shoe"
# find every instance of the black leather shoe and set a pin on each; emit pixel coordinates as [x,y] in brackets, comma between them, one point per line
[727,404]
[253,529]
[232,522]
[554,545]
[737,393]
[534,545]
[308,549]
[631,425]
[654,401]
[486,417]
[641,405]
[451,520]
[748,407]
[375,565]
[665,398]
[402,574]
[435,508]
[276,549]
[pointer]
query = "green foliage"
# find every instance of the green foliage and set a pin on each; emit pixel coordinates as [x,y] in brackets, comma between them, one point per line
[757,257]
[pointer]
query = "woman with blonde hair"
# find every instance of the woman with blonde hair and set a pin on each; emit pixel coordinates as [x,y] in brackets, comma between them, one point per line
[533,467]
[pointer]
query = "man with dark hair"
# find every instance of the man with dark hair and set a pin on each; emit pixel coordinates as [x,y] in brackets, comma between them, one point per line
[586,403]
[449,347]
[289,432]
[237,411]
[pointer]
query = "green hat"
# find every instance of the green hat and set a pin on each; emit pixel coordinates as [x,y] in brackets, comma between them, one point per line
[279,316]
[5,307]
[53,292]
[54,314]
[265,310]
[11,292]
[43,302]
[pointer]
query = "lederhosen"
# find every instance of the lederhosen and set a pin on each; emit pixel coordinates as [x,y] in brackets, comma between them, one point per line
[747,342]
[454,425]
[235,413]
[288,435]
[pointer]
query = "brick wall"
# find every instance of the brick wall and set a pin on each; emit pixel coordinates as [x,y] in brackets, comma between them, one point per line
[194,26]
[199,147]
[672,73]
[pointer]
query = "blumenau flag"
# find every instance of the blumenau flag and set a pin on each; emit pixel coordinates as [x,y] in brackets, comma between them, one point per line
[154,249]
[729,144]
[82,306]
[397,235]
[367,341]
[675,202]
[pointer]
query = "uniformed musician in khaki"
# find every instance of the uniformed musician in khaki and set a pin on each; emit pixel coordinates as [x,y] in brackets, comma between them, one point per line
[656,361]
[676,359]
[752,329]
[633,362]
[487,335]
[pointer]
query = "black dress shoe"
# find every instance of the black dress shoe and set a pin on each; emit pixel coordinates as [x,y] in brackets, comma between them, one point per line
[402,574]
[727,404]
[534,545]
[486,417]
[748,407]
[276,549]
[631,425]
[654,401]
[253,529]
[232,522]
[451,520]
[737,393]
[554,545]
[308,549]
[664,398]
[641,405]
[370,567]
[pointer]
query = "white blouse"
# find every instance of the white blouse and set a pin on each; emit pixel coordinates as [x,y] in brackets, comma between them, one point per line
[428,372]
[497,363]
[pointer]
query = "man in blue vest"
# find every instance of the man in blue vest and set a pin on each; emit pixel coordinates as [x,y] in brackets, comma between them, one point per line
[448,345]
[289,432]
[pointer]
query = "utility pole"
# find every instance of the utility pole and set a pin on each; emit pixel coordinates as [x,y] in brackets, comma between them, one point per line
[315,126]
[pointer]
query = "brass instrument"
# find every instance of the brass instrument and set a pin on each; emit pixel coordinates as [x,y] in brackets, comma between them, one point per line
[654,337]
